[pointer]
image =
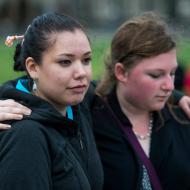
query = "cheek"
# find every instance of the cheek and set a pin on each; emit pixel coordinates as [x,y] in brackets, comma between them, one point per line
[59,75]
[54,79]
[142,89]
[89,72]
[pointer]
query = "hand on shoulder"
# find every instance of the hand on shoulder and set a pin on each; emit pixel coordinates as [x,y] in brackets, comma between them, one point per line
[11,110]
[184,104]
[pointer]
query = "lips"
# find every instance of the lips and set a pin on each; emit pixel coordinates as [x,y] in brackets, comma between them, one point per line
[162,98]
[78,89]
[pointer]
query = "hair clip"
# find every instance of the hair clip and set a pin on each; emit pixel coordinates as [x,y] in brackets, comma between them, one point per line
[10,39]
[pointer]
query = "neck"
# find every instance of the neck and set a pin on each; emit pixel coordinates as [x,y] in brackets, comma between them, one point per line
[129,109]
[60,108]
[139,118]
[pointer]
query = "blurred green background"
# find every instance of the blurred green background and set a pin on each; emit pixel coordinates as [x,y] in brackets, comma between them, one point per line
[99,17]
[99,47]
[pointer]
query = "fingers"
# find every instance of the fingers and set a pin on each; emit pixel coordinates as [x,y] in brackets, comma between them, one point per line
[184,103]
[187,110]
[8,102]
[11,110]
[12,107]
[4,126]
[10,116]
[15,110]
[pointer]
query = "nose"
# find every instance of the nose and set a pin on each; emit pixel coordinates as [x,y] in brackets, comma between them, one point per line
[168,83]
[80,71]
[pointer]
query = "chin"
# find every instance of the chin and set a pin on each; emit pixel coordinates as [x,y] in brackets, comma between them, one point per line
[158,107]
[76,101]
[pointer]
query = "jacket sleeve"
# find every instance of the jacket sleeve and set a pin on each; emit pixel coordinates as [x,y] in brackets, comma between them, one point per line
[177,95]
[24,158]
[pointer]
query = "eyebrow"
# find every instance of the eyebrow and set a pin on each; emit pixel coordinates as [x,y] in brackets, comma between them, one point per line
[71,55]
[159,69]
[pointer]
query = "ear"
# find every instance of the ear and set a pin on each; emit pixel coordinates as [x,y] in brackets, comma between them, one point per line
[32,68]
[120,72]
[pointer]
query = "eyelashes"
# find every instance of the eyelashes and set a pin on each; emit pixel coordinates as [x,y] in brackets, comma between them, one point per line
[67,62]
[87,60]
[64,62]
[155,76]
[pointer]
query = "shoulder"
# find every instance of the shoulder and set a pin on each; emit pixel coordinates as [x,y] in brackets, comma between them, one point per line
[176,127]
[24,133]
[176,96]
[24,152]
[25,140]
[26,126]
[176,120]
[174,112]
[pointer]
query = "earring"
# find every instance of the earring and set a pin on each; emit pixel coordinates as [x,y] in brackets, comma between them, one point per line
[34,87]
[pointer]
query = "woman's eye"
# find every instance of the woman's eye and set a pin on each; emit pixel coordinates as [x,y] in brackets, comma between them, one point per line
[64,62]
[155,75]
[87,61]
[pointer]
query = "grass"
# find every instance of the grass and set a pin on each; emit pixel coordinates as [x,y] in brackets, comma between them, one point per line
[99,47]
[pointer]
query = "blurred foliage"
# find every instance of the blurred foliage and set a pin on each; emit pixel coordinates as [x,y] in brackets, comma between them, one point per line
[183,52]
[6,63]
[99,49]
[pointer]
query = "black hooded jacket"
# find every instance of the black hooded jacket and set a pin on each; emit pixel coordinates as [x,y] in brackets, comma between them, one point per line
[46,150]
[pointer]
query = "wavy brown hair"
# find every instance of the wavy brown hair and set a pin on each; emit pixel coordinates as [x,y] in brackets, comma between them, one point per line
[141,37]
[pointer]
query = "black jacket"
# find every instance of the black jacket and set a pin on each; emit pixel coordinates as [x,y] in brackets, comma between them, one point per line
[46,150]
[169,152]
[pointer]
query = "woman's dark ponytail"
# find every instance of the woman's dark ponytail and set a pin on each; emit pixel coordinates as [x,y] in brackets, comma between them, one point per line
[18,64]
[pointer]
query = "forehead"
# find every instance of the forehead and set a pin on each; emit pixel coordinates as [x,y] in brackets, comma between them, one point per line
[163,61]
[69,41]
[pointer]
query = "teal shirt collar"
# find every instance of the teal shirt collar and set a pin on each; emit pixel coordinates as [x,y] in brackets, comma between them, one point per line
[20,86]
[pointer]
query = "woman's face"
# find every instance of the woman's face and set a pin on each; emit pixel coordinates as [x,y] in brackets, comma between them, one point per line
[149,84]
[65,72]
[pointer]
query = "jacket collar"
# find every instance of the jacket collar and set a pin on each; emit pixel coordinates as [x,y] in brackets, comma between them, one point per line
[161,138]
[114,104]
[42,111]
